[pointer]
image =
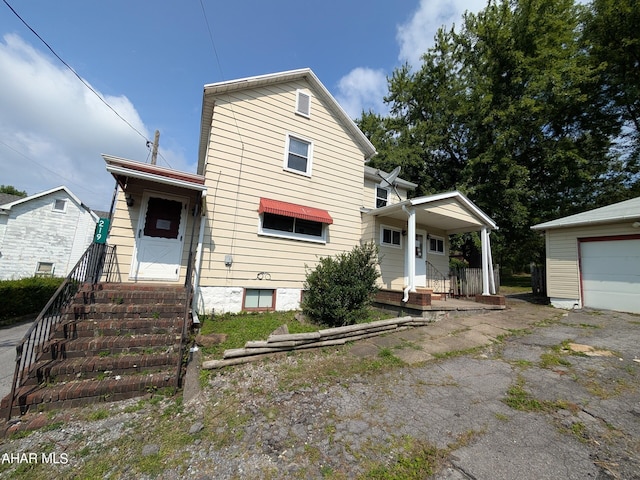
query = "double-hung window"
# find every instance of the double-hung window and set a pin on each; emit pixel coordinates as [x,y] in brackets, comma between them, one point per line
[436,245]
[298,155]
[391,237]
[382,196]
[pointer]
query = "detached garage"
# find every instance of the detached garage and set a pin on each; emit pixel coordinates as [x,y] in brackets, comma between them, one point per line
[593,258]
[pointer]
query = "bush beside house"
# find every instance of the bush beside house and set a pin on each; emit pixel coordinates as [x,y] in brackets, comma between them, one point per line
[339,290]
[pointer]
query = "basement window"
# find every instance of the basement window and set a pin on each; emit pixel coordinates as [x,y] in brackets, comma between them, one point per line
[44,269]
[257,299]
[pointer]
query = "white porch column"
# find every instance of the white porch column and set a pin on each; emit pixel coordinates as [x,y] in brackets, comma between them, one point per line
[411,249]
[486,255]
[492,279]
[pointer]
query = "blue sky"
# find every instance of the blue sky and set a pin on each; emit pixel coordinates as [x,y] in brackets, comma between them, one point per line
[150,61]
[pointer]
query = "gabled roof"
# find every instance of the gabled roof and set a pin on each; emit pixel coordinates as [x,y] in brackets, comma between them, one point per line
[8,198]
[450,211]
[213,90]
[4,209]
[617,212]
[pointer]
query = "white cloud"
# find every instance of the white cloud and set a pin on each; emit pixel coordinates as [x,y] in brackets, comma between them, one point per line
[417,35]
[365,88]
[362,89]
[53,129]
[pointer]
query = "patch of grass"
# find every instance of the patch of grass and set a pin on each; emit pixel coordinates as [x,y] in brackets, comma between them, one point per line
[99,414]
[548,360]
[420,460]
[588,325]
[519,399]
[458,353]
[517,283]
[244,327]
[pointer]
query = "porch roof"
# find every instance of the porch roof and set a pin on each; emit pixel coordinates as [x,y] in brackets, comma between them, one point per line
[121,169]
[450,211]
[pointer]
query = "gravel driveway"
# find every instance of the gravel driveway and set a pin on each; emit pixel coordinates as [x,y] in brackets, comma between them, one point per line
[533,403]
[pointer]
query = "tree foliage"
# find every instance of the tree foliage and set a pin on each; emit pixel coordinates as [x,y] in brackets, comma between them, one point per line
[511,110]
[11,190]
[339,290]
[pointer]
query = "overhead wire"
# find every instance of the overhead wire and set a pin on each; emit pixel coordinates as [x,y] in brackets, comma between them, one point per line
[78,76]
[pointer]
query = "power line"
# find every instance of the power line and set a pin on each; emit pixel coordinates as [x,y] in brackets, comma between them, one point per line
[74,72]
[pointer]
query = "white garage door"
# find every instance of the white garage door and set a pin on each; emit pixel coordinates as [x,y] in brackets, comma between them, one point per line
[611,274]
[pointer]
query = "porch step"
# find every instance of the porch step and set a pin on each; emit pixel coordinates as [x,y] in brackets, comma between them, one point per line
[114,341]
[110,345]
[98,327]
[50,371]
[83,392]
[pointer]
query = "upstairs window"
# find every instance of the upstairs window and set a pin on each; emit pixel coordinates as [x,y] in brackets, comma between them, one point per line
[303,104]
[60,205]
[436,245]
[299,153]
[382,196]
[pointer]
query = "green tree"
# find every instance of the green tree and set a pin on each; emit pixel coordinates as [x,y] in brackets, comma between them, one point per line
[613,39]
[508,111]
[11,190]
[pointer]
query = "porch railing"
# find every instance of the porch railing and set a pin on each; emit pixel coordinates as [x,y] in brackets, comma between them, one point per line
[467,282]
[96,263]
[436,280]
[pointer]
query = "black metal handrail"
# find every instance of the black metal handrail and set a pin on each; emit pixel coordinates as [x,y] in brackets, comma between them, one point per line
[436,280]
[95,264]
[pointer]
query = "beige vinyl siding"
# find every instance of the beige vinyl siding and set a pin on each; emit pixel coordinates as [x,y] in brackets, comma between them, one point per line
[392,259]
[245,162]
[124,228]
[369,194]
[439,262]
[451,208]
[563,280]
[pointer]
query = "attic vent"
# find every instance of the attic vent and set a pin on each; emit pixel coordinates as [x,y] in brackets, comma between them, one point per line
[303,104]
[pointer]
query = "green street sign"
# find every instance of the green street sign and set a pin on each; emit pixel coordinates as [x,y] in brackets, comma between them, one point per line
[102,229]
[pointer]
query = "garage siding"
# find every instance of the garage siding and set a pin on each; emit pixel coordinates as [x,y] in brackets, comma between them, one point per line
[563,275]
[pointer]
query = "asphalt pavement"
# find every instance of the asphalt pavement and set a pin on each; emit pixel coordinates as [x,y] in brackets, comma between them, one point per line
[9,338]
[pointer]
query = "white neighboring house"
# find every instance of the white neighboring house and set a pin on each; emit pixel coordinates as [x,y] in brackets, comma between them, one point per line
[44,234]
[593,258]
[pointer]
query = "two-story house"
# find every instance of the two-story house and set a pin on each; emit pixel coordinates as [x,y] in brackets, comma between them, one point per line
[281,181]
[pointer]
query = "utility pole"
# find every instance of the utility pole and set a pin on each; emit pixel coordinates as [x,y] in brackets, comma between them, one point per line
[154,152]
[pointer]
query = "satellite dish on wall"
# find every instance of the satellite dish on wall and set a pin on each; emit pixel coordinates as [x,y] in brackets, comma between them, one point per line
[389,179]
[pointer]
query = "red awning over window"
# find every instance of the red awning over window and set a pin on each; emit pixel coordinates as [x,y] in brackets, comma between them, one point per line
[287,209]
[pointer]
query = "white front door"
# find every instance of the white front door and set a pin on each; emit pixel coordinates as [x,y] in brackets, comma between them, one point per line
[159,238]
[421,265]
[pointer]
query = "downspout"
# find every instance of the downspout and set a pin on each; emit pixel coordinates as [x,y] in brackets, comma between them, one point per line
[198,262]
[411,252]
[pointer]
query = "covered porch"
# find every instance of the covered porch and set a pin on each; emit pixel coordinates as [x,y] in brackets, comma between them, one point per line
[156,222]
[413,236]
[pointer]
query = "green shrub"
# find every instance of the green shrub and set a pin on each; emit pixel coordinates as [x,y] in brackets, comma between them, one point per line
[340,289]
[26,296]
